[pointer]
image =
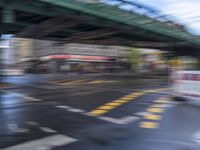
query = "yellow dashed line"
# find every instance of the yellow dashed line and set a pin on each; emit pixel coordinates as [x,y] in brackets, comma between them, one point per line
[97,112]
[156,105]
[162,101]
[81,81]
[57,81]
[130,96]
[106,107]
[158,90]
[155,110]
[149,125]
[139,93]
[126,98]
[151,91]
[100,81]
[110,81]
[120,101]
[115,103]
[112,104]
[97,81]
[72,82]
[152,117]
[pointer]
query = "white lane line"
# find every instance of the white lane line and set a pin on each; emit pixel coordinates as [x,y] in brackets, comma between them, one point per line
[63,106]
[166,105]
[48,130]
[70,109]
[129,119]
[44,129]
[23,96]
[46,143]
[142,113]
[76,110]
[124,120]
[88,114]
[31,98]
[32,123]
[15,128]
[109,119]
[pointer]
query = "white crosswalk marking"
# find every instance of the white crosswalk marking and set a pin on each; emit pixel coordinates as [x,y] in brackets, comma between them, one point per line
[14,128]
[63,107]
[76,110]
[46,143]
[48,130]
[142,113]
[32,123]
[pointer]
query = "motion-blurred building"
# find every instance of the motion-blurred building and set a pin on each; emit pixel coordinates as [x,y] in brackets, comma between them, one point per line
[33,54]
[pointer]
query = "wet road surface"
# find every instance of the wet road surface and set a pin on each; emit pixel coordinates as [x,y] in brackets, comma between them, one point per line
[95,112]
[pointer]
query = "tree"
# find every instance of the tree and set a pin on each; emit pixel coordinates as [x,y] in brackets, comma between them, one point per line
[133,57]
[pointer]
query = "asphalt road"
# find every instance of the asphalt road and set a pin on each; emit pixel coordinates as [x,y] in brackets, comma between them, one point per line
[93,112]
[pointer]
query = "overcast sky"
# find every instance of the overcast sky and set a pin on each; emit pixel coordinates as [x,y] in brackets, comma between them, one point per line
[186,12]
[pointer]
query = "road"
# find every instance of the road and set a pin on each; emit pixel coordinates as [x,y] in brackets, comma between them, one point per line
[95,112]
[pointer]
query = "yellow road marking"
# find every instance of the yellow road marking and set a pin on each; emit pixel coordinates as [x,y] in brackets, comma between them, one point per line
[97,81]
[153,91]
[155,110]
[72,82]
[69,82]
[152,117]
[111,81]
[158,90]
[162,101]
[120,101]
[139,93]
[113,104]
[97,112]
[100,81]
[58,81]
[130,96]
[106,107]
[117,102]
[126,98]
[156,105]
[164,89]
[63,81]
[149,125]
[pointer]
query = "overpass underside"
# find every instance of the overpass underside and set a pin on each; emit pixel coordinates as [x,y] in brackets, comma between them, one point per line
[69,21]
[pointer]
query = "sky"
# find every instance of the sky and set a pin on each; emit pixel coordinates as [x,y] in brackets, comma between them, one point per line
[186,12]
[183,11]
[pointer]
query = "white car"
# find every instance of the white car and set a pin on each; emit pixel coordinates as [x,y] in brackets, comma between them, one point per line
[186,85]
